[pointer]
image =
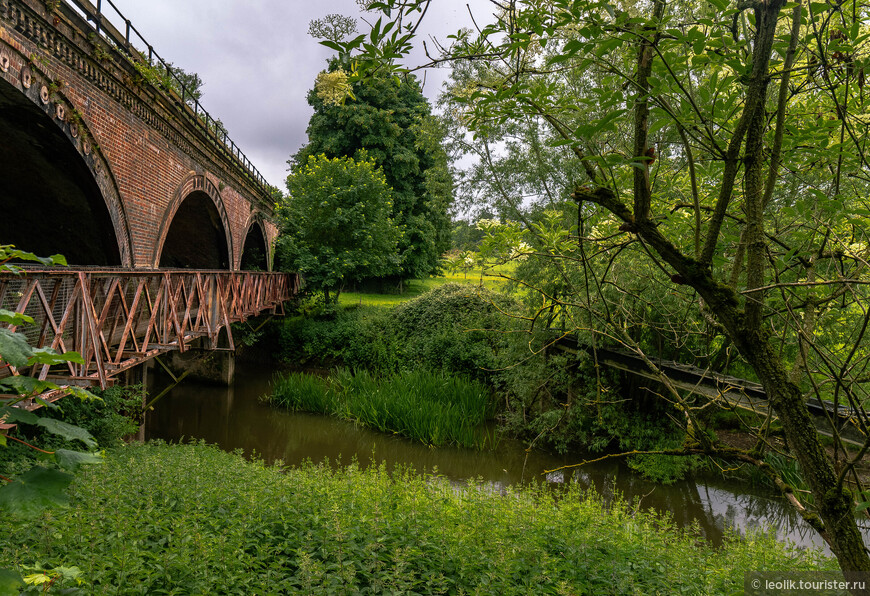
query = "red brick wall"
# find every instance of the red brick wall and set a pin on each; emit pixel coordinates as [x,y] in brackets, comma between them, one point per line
[145,155]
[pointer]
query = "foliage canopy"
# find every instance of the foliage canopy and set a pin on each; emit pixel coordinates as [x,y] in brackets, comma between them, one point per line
[389,120]
[336,225]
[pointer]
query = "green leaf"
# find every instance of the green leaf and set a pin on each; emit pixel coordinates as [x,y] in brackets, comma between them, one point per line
[19,415]
[49,356]
[48,575]
[11,582]
[35,490]
[67,431]
[14,318]
[82,393]
[607,120]
[8,252]
[26,385]
[14,348]
[71,460]
[658,124]
[332,45]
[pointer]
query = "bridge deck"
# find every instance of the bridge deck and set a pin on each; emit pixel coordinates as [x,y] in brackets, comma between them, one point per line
[119,318]
[729,391]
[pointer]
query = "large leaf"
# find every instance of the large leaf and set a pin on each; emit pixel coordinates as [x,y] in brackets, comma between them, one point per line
[81,393]
[14,318]
[35,490]
[67,431]
[11,582]
[71,460]
[14,348]
[18,415]
[49,356]
[24,385]
[49,575]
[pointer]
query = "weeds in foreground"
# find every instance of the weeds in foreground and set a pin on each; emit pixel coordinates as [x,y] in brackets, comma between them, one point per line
[190,519]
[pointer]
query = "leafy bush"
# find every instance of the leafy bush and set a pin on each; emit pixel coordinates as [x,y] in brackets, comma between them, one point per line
[106,420]
[158,519]
[456,327]
[109,419]
[357,338]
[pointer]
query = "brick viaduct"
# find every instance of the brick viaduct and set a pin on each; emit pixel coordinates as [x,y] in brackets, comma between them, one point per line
[101,163]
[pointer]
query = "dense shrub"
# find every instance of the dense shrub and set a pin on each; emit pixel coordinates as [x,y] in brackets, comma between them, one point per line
[356,338]
[190,519]
[456,328]
[109,419]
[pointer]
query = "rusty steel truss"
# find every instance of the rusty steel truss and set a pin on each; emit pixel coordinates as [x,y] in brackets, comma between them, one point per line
[118,319]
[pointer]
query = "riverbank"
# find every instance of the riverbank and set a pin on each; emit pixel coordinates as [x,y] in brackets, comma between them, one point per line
[236,419]
[159,518]
[553,400]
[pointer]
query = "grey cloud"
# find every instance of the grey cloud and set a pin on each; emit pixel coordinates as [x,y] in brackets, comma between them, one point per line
[258,62]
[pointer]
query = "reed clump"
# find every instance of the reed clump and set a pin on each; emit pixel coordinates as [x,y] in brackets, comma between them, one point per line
[432,407]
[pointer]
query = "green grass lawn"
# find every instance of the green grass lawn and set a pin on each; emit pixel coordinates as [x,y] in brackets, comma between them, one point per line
[415,287]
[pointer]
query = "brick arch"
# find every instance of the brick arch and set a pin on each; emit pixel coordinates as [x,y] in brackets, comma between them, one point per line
[193,183]
[257,219]
[25,76]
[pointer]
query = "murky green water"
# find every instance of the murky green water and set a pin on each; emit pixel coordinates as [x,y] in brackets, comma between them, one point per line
[233,418]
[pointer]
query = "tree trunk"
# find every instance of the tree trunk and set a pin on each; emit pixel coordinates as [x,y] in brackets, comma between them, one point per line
[835,502]
[836,519]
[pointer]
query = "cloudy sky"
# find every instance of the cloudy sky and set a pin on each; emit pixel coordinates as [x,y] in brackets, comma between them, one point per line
[258,62]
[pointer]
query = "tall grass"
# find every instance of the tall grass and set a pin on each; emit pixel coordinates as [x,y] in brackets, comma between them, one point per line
[303,392]
[435,408]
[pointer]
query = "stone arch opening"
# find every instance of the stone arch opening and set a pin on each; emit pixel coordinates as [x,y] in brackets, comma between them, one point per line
[196,238]
[50,198]
[255,253]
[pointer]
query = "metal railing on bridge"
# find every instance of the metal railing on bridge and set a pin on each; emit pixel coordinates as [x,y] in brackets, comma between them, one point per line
[119,318]
[186,101]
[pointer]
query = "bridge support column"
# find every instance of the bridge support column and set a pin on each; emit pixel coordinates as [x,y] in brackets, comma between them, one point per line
[138,375]
[198,362]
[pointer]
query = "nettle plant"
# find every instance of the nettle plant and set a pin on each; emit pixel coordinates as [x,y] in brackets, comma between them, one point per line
[43,485]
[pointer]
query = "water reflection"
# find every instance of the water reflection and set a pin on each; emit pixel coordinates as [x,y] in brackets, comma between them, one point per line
[233,418]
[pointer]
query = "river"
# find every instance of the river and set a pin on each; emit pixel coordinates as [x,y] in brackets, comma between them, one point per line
[233,418]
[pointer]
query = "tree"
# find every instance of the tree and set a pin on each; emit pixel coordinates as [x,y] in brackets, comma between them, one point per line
[333,27]
[336,225]
[390,120]
[728,142]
